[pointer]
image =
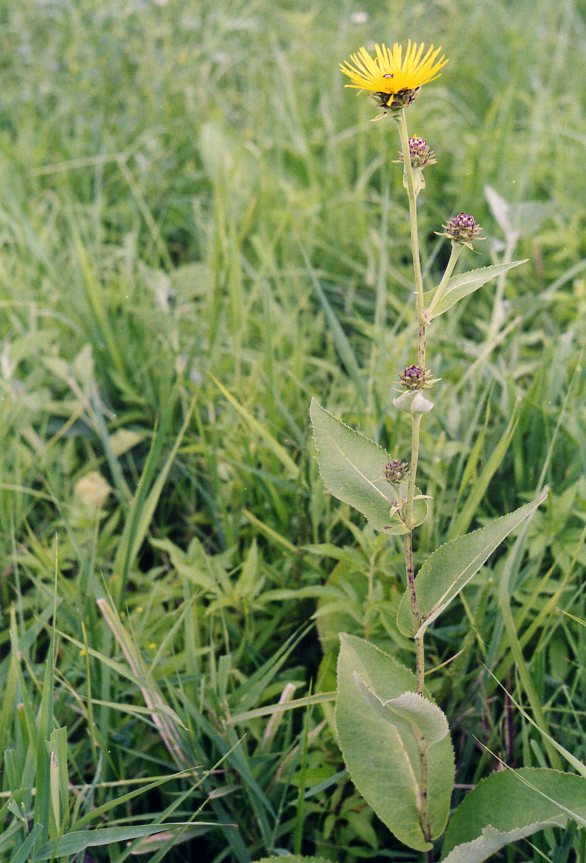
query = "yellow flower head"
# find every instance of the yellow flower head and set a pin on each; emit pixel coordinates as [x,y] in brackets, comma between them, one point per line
[392,78]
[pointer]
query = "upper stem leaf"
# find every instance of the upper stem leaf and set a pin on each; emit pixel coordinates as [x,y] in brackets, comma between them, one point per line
[463,284]
[353,470]
[451,566]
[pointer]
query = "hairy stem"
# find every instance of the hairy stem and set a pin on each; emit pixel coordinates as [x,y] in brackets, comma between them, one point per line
[411,195]
[424,783]
[415,615]
[415,428]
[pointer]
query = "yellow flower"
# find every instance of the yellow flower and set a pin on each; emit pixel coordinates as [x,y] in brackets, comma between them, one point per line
[394,79]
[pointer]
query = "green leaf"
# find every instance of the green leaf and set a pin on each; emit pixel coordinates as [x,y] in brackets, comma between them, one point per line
[341,342]
[379,719]
[23,854]
[353,470]
[511,805]
[480,481]
[78,841]
[258,428]
[451,566]
[352,466]
[462,285]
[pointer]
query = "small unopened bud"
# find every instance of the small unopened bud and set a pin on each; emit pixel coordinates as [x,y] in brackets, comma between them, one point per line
[416,378]
[420,152]
[463,229]
[420,156]
[396,470]
[413,377]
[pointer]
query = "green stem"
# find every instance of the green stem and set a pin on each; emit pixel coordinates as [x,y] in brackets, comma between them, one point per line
[412,196]
[454,255]
[415,429]
[415,614]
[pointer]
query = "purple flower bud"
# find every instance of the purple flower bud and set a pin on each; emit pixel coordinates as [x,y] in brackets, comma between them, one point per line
[413,377]
[396,470]
[420,152]
[462,228]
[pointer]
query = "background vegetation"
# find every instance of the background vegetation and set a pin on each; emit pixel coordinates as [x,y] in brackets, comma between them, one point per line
[200,229]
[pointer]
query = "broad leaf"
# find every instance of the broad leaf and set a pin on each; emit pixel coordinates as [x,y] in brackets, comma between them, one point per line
[379,719]
[462,285]
[511,805]
[353,470]
[450,567]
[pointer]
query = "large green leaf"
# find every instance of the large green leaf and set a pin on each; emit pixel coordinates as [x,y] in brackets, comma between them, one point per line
[451,566]
[353,470]
[511,805]
[379,719]
[462,285]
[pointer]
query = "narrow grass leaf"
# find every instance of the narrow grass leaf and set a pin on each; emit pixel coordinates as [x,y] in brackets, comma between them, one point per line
[142,790]
[58,780]
[79,840]
[24,853]
[462,522]
[144,505]
[343,346]
[275,447]
[574,762]
[293,858]
[44,726]
[167,728]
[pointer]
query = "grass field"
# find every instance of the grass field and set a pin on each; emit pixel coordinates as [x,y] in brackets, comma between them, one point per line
[200,229]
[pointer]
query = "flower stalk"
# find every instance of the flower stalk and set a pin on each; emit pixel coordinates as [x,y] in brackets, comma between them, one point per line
[415,417]
[412,193]
[412,197]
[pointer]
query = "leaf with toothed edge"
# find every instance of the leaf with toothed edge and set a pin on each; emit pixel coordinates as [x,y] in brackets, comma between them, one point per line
[451,566]
[462,285]
[379,721]
[353,470]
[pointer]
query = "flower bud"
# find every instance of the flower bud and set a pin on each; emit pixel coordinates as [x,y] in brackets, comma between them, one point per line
[420,152]
[416,378]
[396,470]
[412,377]
[462,228]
